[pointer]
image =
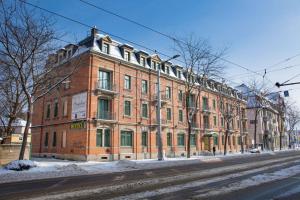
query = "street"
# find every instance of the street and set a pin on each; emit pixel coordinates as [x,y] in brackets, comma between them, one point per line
[261,176]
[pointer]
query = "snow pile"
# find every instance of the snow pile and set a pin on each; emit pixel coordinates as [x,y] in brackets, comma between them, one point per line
[70,167]
[127,164]
[20,165]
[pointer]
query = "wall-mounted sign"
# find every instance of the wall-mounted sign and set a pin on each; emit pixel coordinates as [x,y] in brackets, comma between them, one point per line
[78,125]
[79,106]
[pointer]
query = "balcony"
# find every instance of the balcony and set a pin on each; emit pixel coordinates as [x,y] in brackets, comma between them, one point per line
[195,125]
[106,88]
[106,117]
[163,98]
[206,109]
[193,106]
[164,123]
[207,127]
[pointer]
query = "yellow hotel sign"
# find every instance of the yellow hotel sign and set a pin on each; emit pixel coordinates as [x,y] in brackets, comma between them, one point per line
[78,125]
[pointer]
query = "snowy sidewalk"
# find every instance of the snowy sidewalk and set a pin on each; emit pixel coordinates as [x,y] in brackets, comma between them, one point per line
[51,168]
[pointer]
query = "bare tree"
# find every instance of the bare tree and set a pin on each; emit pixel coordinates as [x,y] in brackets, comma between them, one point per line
[26,41]
[12,100]
[229,103]
[200,64]
[292,119]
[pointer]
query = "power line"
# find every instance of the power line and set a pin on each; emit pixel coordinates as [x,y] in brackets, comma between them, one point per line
[268,71]
[163,34]
[86,25]
[105,32]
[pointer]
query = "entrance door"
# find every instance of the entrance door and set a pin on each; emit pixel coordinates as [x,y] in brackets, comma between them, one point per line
[206,143]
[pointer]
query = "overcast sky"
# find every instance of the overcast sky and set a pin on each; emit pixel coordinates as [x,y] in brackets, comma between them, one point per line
[258,33]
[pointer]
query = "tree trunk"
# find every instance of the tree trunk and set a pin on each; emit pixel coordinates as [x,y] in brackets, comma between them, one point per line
[226,138]
[189,141]
[26,131]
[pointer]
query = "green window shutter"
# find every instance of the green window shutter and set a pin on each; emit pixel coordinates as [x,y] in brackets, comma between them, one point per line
[169,139]
[180,116]
[48,111]
[126,138]
[107,138]
[54,139]
[144,138]
[169,114]
[193,139]
[215,140]
[55,109]
[99,138]
[46,140]
[223,139]
[180,140]
[127,108]
[144,110]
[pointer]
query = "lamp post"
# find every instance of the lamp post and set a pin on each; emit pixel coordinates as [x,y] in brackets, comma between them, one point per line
[158,112]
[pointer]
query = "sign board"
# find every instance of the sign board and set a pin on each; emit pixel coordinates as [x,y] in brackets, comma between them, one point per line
[79,106]
[78,125]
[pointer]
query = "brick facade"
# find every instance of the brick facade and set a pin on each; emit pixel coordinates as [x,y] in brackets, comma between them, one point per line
[122,136]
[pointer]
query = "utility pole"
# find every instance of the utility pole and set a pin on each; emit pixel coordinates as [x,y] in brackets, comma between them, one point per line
[158,112]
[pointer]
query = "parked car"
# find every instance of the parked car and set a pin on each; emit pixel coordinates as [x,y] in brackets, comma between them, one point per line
[254,150]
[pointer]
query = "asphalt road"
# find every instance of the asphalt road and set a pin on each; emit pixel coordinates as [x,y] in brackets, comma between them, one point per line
[203,180]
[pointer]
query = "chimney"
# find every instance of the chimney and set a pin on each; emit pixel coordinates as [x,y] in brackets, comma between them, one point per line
[94,31]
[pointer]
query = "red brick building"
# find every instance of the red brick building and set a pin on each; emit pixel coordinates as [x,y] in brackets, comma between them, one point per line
[107,109]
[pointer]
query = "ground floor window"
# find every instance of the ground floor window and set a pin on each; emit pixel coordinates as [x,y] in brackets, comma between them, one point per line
[54,139]
[180,139]
[103,138]
[46,140]
[239,140]
[169,139]
[126,138]
[215,140]
[193,140]
[144,139]
[223,139]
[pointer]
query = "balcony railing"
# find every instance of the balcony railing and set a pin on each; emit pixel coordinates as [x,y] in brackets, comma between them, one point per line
[106,87]
[206,126]
[164,122]
[206,109]
[106,116]
[195,125]
[163,98]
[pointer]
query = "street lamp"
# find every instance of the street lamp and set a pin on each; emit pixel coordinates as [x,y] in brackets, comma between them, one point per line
[158,112]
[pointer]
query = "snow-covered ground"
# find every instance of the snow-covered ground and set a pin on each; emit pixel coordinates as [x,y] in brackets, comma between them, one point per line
[50,168]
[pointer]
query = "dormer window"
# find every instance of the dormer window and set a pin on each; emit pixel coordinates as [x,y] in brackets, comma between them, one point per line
[105,48]
[60,57]
[167,70]
[143,61]
[153,65]
[69,53]
[179,74]
[158,66]
[127,55]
